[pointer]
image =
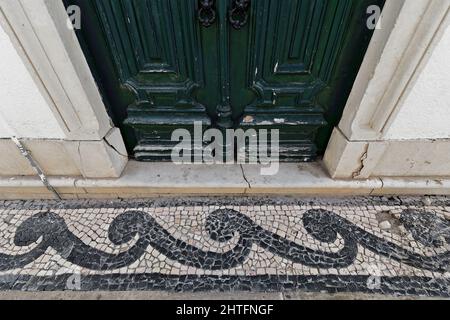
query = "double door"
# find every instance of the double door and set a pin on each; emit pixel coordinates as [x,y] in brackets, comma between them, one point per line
[253,64]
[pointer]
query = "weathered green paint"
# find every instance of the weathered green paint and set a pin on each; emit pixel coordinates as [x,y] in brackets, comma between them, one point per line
[290,68]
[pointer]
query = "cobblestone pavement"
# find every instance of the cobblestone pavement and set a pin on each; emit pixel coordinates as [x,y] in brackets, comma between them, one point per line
[391,246]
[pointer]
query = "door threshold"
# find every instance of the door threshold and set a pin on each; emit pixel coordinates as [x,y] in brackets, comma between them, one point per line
[144,179]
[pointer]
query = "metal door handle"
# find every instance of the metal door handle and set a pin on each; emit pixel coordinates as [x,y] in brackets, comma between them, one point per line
[238,14]
[207,12]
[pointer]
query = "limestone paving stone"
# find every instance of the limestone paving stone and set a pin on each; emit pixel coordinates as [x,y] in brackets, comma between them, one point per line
[374,245]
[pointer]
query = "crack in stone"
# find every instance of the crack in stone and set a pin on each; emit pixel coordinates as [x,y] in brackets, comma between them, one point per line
[363,158]
[114,148]
[245,177]
[80,159]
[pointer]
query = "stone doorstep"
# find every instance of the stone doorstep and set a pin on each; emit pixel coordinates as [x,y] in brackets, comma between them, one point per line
[141,180]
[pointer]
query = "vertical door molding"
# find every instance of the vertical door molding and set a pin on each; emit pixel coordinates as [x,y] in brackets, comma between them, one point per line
[89,144]
[397,54]
[53,56]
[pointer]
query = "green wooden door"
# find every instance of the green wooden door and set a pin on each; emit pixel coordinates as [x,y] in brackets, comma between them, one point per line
[261,64]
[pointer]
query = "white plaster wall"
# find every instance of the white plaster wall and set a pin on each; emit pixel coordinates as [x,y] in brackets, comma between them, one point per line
[426,111]
[23,110]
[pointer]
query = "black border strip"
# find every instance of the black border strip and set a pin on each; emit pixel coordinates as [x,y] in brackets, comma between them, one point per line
[172,201]
[400,286]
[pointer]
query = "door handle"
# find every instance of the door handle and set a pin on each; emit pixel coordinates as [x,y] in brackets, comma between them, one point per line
[207,12]
[238,14]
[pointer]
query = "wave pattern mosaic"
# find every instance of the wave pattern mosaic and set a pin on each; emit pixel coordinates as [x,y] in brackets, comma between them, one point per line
[388,246]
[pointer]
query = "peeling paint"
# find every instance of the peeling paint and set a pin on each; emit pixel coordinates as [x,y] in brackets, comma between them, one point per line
[265,123]
[248,119]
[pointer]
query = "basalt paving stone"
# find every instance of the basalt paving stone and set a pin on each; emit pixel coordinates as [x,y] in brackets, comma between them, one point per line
[392,246]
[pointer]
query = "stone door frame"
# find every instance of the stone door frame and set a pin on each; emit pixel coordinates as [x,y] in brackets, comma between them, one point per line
[397,54]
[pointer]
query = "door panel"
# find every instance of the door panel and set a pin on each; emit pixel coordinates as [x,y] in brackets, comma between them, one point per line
[157,52]
[298,43]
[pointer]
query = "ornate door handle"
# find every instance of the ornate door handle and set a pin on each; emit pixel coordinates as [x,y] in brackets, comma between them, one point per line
[207,12]
[238,14]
